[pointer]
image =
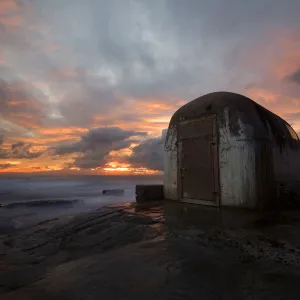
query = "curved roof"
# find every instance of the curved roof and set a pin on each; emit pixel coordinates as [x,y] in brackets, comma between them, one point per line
[239,107]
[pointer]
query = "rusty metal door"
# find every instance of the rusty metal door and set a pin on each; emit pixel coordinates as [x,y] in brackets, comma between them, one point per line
[198,161]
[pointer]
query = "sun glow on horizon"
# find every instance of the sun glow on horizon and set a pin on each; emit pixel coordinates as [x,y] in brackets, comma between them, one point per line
[115,167]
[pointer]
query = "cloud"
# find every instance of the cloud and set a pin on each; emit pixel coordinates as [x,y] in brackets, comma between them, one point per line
[5,166]
[96,144]
[149,154]
[83,97]
[131,64]
[21,104]
[20,150]
[294,115]
[139,49]
[294,77]
[106,136]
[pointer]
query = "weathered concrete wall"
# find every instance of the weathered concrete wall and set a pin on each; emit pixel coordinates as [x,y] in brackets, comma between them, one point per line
[287,171]
[257,150]
[237,166]
[149,193]
[236,161]
[286,161]
[170,165]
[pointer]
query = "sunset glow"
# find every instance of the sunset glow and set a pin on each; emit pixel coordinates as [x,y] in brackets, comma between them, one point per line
[97,98]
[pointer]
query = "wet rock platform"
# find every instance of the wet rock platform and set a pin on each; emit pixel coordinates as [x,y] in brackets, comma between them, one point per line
[154,251]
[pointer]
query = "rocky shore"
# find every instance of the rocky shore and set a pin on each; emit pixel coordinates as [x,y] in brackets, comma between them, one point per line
[154,251]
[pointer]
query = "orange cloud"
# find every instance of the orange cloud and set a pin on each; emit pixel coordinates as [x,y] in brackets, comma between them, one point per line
[280,104]
[289,58]
[25,121]
[11,13]
[28,111]
[155,108]
[43,140]
[119,168]
[67,73]
[273,65]
[115,168]
[275,57]
[8,6]
[19,106]
[11,21]
[149,115]
[62,130]
[262,95]
[121,153]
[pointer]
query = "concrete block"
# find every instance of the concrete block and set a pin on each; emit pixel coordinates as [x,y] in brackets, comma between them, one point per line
[149,192]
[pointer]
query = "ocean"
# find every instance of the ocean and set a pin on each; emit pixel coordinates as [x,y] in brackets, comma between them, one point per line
[26,200]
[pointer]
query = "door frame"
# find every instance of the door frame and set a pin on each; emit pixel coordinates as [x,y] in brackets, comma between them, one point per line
[215,156]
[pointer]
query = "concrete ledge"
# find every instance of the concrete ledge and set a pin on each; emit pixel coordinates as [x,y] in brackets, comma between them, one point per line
[149,192]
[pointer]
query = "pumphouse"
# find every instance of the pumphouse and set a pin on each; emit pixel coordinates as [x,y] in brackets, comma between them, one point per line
[224,149]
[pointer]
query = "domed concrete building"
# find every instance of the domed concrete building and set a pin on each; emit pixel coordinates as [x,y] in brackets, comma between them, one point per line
[223,149]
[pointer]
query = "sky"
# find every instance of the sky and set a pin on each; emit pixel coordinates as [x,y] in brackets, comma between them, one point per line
[90,86]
